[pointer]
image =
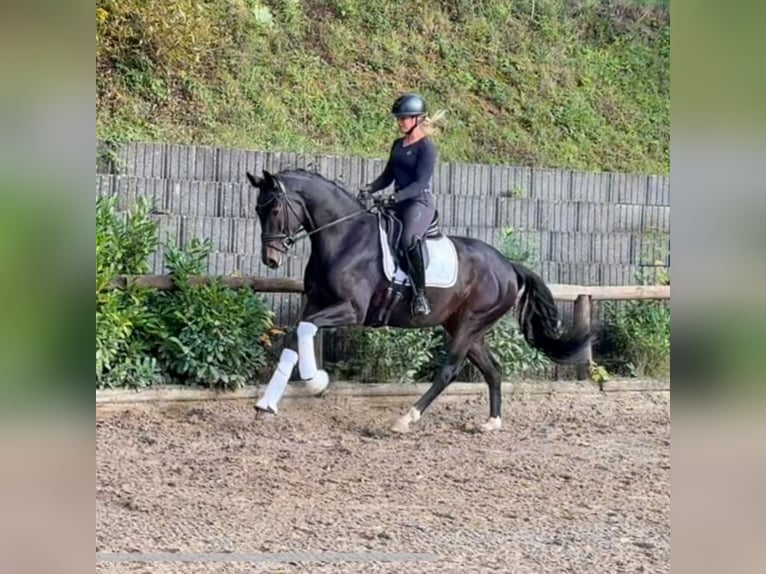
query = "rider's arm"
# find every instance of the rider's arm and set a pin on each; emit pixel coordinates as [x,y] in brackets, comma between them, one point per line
[386,178]
[425,172]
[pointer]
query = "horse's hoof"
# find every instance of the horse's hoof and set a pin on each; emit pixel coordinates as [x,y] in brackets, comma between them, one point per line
[402,425]
[264,410]
[318,383]
[493,424]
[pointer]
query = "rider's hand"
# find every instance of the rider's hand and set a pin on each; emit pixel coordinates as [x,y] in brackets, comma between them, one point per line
[365,192]
[384,202]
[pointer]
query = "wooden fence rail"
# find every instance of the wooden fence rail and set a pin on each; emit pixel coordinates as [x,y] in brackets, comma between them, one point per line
[582,295]
[560,292]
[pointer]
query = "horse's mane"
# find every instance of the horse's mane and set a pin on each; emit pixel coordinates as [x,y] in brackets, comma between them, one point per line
[317,178]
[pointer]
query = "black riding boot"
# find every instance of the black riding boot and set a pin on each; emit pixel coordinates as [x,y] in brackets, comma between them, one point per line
[417,271]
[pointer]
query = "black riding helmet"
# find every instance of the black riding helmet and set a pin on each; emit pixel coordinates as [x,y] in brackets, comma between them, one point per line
[408,105]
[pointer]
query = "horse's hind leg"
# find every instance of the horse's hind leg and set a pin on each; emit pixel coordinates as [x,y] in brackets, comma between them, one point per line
[481,357]
[444,376]
[457,349]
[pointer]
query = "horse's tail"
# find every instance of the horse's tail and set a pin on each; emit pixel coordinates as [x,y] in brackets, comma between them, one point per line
[538,318]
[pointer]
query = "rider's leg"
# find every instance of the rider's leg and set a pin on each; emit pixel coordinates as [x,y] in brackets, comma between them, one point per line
[417,270]
[416,216]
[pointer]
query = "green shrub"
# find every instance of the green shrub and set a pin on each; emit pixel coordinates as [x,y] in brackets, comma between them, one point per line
[636,338]
[387,355]
[123,244]
[516,357]
[209,335]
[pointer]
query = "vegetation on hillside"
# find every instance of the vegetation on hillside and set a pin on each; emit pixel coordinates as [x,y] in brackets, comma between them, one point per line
[559,83]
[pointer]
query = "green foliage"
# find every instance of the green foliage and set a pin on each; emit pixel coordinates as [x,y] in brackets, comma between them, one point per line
[513,246]
[516,357]
[581,85]
[597,373]
[122,245]
[636,337]
[207,335]
[210,335]
[387,355]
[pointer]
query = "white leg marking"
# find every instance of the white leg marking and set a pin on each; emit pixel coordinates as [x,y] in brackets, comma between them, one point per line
[402,425]
[492,424]
[276,387]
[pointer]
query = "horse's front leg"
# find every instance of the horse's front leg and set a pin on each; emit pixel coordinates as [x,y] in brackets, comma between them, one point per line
[337,315]
[313,318]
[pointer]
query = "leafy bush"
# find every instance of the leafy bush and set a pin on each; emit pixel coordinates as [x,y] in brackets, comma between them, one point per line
[507,345]
[636,338]
[387,355]
[209,335]
[122,246]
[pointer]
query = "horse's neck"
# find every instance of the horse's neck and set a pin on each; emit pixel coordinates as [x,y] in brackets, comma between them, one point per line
[324,212]
[341,219]
[344,237]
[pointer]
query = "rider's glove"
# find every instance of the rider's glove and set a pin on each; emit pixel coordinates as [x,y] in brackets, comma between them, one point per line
[365,192]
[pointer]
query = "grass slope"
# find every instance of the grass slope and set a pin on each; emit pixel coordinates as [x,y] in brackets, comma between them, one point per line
[574,84]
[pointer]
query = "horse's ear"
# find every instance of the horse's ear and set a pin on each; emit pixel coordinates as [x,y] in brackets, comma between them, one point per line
[267,176]
[274,182]
[254,181]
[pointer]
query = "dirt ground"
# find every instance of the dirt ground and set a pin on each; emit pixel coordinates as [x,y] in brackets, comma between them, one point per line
[572,483]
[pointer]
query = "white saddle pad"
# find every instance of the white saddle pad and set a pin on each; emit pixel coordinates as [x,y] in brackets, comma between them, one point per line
[442,264]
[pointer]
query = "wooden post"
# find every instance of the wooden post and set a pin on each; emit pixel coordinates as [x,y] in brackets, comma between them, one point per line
[582,322]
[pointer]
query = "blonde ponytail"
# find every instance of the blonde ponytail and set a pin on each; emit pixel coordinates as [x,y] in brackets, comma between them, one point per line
[431,124]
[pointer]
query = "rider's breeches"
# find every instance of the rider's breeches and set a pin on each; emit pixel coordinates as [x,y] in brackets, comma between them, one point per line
[416,215]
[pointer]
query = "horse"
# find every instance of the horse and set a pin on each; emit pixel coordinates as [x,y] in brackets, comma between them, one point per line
[345,285]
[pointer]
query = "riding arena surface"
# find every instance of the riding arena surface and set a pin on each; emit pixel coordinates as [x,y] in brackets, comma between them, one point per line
[573,482]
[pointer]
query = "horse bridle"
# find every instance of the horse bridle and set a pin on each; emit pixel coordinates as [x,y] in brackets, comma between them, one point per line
[287,237]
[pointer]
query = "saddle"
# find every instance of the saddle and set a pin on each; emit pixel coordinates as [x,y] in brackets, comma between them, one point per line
[439,254]
[393,227]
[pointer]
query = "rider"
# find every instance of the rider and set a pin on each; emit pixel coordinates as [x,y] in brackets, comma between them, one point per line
[410,168]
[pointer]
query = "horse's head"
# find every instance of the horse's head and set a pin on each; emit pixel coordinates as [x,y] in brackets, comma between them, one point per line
[280,216]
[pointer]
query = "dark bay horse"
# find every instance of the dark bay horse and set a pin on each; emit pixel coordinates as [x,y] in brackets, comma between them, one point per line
[344,285]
